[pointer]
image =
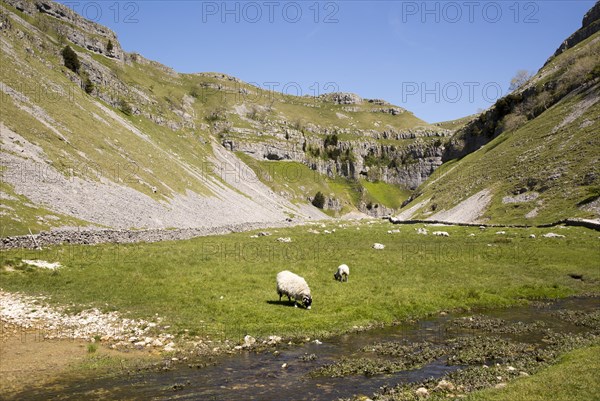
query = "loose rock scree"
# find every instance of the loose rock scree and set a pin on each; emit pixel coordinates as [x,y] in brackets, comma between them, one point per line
[293,286]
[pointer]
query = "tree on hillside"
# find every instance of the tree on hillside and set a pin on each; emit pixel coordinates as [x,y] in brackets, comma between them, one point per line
[88,85]
[520,79]
[70,59]
[109,47]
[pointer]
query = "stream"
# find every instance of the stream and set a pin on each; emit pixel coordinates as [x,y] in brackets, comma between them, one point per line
[260,376]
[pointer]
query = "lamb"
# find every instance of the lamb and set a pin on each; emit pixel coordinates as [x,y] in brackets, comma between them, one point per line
[293,286]
[342,273]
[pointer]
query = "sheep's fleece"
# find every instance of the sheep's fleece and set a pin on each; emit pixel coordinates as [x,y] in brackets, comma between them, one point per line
[342,273]
[293,286]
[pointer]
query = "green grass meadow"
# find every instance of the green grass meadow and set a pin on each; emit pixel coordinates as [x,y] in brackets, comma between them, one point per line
[573,378]
[224,286]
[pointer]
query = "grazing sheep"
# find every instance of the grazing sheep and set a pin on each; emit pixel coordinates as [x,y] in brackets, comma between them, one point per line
[422,231]
[293,286]
[441,233]
[342,273]
[378,246]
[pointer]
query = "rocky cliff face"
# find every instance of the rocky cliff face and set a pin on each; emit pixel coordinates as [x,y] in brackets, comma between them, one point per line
[75,28]
[405,157]
[589,26]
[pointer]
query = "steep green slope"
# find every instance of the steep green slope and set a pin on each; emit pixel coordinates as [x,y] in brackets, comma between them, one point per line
[533,157]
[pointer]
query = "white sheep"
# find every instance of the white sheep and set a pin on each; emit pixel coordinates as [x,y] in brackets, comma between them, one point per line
[293,286]
[342,273]
[441,233]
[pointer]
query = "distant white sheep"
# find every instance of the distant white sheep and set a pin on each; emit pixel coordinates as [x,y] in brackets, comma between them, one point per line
[500,232]
[378,246]
[422,231]
[293,286]
[441,233]
[342,273]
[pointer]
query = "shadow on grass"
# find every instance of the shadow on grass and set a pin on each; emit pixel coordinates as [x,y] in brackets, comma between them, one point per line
[281,303]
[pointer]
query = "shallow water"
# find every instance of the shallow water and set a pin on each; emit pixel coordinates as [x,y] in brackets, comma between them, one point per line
[260,376]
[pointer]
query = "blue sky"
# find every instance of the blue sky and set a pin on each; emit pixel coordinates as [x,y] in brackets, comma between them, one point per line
[439,59]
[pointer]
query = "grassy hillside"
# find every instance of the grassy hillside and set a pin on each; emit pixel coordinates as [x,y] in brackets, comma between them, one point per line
[543,166]
[125,120]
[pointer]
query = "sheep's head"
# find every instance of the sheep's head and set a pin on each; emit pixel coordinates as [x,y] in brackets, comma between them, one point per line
[337,276]
[306,301]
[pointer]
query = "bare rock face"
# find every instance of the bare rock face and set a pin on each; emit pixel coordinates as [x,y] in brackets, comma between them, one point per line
[78,30]
[590,25]
[332,203]
[343,98]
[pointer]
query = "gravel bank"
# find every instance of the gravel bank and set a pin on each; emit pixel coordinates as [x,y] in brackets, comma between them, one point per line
[25,312]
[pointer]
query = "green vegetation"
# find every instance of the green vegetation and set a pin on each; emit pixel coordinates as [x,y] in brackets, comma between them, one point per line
[573,378]
[385,194]
[224,287]
[298,182]
[71,59]
[88,86]
[457,124]
[125,107]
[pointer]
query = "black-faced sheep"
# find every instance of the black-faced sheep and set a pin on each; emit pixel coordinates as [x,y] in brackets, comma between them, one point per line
[342,273]
[293,286]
